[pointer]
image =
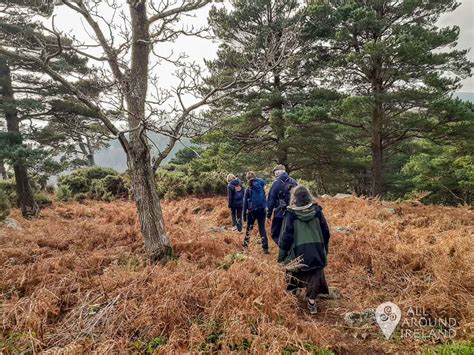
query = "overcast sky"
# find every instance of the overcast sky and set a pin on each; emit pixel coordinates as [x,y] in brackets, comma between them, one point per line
[200,49]
[464,18]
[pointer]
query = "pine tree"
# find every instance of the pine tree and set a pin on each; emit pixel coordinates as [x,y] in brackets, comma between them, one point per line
[28,95]
[397,64]
[251,34]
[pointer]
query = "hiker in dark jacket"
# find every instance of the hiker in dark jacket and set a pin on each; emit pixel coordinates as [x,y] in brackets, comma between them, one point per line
[304,241]
[255,204]
[235,194]
[279,199]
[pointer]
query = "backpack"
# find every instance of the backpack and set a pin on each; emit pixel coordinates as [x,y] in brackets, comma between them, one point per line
[257,196]
[285,192]
[238,193]
[307,235]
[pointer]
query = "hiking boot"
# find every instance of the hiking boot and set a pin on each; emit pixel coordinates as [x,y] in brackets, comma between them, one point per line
[312,308]
[266,252]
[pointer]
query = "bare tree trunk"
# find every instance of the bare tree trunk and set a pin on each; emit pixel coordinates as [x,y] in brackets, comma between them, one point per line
[90,152]
[3,171]
[86,151]
[157,244]
[25,198]
[90,159]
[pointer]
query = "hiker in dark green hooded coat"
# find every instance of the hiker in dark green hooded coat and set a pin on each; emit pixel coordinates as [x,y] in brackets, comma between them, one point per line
[304,240]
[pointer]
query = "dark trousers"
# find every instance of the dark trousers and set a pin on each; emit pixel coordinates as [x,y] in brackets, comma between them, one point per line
[313,280]
[259,216]
[236,213]
[276,228]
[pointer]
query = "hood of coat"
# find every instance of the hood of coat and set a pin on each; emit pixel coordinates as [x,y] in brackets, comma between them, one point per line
[283,176]
[304,213]
[257,182]
[235,182]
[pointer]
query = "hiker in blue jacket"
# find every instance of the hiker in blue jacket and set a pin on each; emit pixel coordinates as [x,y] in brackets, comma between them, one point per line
[235,194]
[255,204]
[279,199]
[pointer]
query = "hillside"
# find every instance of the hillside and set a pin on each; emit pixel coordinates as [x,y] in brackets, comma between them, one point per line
[76,280]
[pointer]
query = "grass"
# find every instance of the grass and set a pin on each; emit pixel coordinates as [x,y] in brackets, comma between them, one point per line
[454,348]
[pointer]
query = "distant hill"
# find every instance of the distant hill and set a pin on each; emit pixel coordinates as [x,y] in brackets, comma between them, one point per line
[114,156]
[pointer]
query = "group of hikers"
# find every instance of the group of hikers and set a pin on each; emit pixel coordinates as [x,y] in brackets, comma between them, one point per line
[298,227]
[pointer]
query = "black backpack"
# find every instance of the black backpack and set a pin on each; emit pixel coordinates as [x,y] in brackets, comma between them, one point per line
[285,192]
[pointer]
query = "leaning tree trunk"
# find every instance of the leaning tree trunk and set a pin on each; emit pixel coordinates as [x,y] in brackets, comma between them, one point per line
[25,198]
[157,244]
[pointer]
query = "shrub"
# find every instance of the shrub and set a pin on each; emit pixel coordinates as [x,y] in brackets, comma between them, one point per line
[94,182]
[109,188]
[76,183]
[50,189]
[42,200]
[64,193]
[96,172]
[173,183]
[4,205]
[81,197]
[210,183]
[9,189]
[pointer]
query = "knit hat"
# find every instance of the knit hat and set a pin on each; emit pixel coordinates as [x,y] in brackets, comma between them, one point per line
[279,167]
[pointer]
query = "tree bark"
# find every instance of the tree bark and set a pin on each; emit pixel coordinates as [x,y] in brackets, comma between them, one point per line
[3,171]
[378,113]
[377,124]
[377,153]
[87,151]
[157,244]
[278,122]
[90,155]
[25,198]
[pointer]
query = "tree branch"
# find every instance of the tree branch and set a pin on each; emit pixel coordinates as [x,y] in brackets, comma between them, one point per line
[71,88]
[186,7]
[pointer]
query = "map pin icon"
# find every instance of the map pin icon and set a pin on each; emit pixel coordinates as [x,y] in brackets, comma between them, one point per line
[388,316]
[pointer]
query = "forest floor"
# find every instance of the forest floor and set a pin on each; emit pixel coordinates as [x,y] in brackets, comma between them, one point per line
[76,281]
